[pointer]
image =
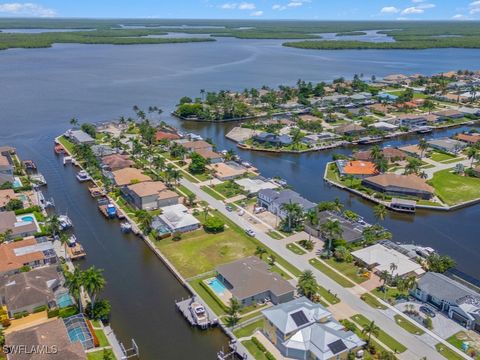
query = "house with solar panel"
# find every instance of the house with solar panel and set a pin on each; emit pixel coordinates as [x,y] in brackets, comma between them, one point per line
[301,329]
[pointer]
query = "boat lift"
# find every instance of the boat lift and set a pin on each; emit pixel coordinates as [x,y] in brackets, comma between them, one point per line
[130,352]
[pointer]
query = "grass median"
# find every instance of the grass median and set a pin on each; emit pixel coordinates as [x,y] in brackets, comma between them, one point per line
[331,273]
[408,325]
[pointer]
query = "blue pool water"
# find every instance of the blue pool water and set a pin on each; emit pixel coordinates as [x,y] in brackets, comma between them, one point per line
[17,183]
[64,300]
[217,286]
[27,218]
[76,334]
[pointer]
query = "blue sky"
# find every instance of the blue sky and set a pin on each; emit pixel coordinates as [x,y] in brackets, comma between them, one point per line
[244,9]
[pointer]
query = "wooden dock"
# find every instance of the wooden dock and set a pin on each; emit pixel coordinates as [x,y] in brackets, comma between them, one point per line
[185,307]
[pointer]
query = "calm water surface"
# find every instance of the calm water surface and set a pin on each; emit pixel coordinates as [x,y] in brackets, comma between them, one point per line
[43,88]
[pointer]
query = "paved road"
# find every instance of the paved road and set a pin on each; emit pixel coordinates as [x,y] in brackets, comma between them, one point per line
[417,348]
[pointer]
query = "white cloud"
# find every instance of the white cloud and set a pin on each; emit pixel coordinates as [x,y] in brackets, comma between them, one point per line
[293,4]
[278,7]
[26,9]
[246,6]
[417,1]
[257,13]
[389,10]
[460,17]
[474,7]
[412,10]
[228,6]
[426,6]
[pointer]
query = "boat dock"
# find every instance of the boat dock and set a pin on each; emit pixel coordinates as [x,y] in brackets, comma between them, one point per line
[187,308]
[76,252]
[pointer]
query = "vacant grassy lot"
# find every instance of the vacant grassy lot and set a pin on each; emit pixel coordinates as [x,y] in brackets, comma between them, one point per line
[229,189]
[198,252]
[447,353]
[439,156]
[390,294]
[453,188]
[458,339]
[213,193]
[382,335]
[408,325]
[347,269]
[331,274]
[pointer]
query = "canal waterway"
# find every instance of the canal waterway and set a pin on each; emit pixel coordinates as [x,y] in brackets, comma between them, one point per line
[43,88]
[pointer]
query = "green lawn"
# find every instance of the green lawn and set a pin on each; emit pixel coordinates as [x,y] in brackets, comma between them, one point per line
[440,156]
[372,301]
[102,339]
[408,325]
[95,323]
[382,335]
[451,161]
[69,146]
[447,353]
[347,269]
[189,177]
[98,355]
[390,294]
[279,271]
[249,329]
[254,350]
[229,189]
[327,295]
[274,235]
[453,188]
[212,193]
[330,273]
[198,251]
[184,190]
[457,341]
[295,249]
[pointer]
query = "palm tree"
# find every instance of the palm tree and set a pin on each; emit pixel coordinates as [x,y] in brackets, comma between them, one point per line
[312,219]
[331,230]
[93,282]
[191,199]
[205,209]
[413,165]
[74,122]
[259,251]
[74,283]
[380,211]
[472,155]
[293,210]
[307,284]
[384,276]
[53,225]
[371,329]
[232,312]
[5,236]
[144,219]
[423,146]
[202,94]
[376,153]
[393,267]
[230,155]
[337,205]
[381,165]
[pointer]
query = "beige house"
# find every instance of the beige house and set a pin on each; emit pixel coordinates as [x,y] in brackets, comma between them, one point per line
[149,195]
[129,176]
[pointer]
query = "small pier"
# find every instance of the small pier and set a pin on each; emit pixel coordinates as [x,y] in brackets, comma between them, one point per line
[196,313]
[76,252]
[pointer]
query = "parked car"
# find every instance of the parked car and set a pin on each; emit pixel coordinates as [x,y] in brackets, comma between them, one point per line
[229,208]
[250,232]
[427,310]
[241,212]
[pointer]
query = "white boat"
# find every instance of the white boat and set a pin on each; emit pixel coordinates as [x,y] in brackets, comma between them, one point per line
[72,241]
[246,164]
[67,160]
[38,179]
[82,176]
[65,222]
[199,313]
[126,227]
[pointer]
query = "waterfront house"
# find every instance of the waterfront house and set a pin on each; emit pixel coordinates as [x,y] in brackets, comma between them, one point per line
[273,139]
[47,335]
[350,129]
[166,135]
[18,227]
[398,185]
[387,97]
[80,137]
[6,168]
[227,170]
[27,252]
[448,114]
[412,150]
[470,139]
[149,195]
[381,108]
[447,145]
[378,258]
[102,150]
[253,186]
[351,231]
[273,201]
[356,168]
[250,281]
[116,162]
[5,197]
[461,303]
[194,146]
[470,111]
[384,126]
[301,329]
[411,120]
[389,153]
[174,219]
[28,291]
[129,176]
[211,156]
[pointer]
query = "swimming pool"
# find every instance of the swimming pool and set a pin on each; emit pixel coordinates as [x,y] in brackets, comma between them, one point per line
[217,286]
[17,183]
[78,330]
[27,218]
[64,300]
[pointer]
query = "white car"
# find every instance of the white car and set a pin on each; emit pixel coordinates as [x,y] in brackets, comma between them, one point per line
[250,232]
[241,212]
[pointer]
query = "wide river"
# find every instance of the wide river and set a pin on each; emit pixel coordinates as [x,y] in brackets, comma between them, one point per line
[41,89]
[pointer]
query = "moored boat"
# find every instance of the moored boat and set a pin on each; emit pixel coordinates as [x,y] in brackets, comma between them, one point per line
[83,176]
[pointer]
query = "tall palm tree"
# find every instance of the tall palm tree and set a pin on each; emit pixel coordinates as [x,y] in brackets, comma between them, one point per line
[93,282]
[337,205]
[371,329]
[74,283]
[232,312]
[384,276]
[472,155]
[144,219]
[380,211]
[312,219]
[53,224]
[376,152]
[293,210]
[307,284]
[331,230]
[423,146]
[393,267]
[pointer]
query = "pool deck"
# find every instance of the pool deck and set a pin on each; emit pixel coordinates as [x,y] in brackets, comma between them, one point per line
[225,296]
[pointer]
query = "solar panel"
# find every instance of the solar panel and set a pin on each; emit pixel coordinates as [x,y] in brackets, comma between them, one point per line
[337,346]
[299,318]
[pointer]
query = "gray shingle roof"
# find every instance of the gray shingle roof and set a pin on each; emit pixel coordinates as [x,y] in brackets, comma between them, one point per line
[442,287]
